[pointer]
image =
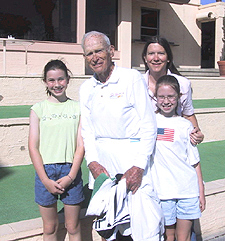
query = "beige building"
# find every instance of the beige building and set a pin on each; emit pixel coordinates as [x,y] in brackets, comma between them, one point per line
[54,29]
[194,31]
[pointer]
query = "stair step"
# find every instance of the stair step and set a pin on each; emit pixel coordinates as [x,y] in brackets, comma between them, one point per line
[191,72]
[199,72]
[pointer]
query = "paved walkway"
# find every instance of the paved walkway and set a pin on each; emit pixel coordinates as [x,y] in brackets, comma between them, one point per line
[221,238]
[31,230]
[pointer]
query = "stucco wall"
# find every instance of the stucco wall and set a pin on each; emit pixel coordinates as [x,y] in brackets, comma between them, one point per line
[18,90]
[212,221]
[211,122]
[208,87]
[13,142]
[17,62]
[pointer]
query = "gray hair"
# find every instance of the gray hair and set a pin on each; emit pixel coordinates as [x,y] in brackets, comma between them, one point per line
[95,33]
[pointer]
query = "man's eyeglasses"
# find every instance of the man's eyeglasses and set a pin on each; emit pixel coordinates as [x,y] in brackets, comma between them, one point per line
[97,52]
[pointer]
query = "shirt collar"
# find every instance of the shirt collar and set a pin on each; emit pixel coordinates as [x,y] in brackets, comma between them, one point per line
[112,78]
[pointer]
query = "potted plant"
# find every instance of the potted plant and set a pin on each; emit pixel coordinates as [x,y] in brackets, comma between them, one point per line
[221,63]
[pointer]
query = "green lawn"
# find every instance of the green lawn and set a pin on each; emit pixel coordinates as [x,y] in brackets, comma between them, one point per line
[212,103]
[212,156]
[17,183]
[17,193]
[24,110]
[14,111]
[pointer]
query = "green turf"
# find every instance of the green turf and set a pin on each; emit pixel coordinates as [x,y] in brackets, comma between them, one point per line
[212,103]
[24,110]
[14,111]
[17,183]
[212,160]
[17,193]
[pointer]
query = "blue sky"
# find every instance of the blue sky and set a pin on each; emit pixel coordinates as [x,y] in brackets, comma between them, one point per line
[203,2]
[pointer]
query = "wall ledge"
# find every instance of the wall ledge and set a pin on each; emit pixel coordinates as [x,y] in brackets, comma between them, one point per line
[210,110]
[14,122]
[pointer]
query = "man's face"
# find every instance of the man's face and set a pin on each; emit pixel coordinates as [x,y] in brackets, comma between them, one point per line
[98,55]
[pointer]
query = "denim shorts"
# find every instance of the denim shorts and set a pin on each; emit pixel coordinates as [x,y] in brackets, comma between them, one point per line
[185,208]
[72,195]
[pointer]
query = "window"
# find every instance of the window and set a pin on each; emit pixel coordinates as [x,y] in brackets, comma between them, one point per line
[101,15]
[49,20]
[149,23]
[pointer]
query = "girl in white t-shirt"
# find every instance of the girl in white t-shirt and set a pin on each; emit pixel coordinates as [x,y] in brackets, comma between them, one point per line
[176,170]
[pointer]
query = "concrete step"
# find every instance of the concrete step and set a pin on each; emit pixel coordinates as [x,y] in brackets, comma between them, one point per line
[32,230]
[191,72]
[199,72]
[207,87]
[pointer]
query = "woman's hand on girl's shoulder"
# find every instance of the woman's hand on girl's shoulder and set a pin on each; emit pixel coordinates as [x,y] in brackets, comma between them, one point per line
[196,136]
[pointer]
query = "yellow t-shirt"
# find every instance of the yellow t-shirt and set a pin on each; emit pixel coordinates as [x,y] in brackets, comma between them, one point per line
[58,130]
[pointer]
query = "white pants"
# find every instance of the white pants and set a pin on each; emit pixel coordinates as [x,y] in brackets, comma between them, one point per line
[117,156]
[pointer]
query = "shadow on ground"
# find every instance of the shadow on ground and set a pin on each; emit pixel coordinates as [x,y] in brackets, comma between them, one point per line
[4,172]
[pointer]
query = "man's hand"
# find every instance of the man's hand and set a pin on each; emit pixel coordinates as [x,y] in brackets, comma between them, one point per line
[133,178]
[196,136]
[97,169]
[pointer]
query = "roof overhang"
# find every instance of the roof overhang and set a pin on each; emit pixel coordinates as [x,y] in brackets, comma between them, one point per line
[177,1]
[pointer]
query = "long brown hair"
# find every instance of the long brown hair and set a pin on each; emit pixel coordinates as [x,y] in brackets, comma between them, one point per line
[165,44]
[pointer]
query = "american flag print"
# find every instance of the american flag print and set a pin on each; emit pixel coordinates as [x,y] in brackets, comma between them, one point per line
[165,134]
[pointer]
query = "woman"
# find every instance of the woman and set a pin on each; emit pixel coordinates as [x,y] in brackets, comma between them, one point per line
[158,59]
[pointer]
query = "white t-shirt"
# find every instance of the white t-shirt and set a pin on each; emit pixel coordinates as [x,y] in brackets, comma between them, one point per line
[172,172]
[185,105]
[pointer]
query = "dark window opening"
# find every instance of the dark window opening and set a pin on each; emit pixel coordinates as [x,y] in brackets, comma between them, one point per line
[208,45]
[149,23]
[101,15]
[47,20]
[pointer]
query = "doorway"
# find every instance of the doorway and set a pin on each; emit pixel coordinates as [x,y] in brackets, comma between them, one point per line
[208,45]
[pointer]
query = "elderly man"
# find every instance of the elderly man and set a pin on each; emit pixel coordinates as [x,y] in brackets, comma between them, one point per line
[119,132]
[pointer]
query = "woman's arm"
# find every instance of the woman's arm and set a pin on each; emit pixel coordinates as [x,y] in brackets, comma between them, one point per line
[201,187]
[33,145]
[196,134]
[188,109]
